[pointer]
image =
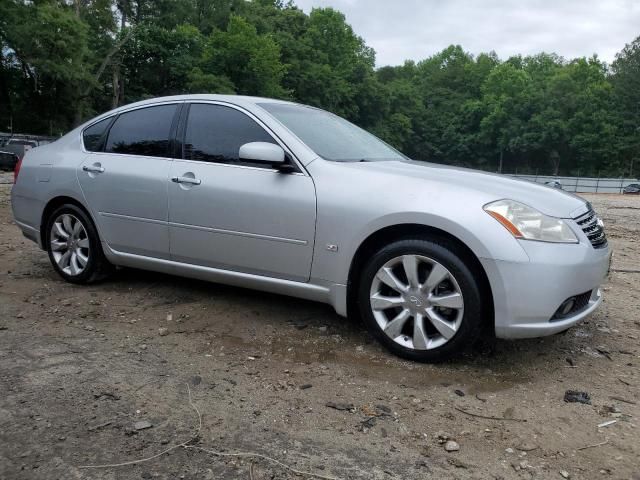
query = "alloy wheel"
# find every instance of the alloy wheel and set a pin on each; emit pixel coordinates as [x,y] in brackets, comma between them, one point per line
[417,302]
[70,245]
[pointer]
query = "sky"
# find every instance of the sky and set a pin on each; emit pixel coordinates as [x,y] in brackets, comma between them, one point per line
[402,30]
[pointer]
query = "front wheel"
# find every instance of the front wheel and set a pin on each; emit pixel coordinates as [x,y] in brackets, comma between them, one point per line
[421,299]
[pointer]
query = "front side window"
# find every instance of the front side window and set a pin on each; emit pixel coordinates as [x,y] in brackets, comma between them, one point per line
[144,131]
[92,136]
[331,137]
[215,134]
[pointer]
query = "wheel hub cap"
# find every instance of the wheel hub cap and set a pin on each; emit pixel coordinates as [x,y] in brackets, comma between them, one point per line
[417,302]
[69,244]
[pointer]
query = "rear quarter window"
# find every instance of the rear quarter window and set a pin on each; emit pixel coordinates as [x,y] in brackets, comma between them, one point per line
[93,137]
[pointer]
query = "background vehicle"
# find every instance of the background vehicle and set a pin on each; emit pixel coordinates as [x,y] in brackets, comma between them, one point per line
[633,188]
[19,146]
[554,184]
[290,199]
[8,161]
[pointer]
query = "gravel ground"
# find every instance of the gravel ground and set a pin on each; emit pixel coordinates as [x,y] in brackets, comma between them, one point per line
[102,375]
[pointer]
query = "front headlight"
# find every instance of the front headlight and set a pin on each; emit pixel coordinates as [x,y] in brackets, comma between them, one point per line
[527,223]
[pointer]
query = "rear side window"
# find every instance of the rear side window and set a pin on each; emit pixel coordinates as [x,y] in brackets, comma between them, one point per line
[142,132]
[215,133]
[93,136]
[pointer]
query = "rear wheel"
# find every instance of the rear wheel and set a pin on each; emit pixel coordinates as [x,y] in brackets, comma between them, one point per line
[421,299]
[74,246]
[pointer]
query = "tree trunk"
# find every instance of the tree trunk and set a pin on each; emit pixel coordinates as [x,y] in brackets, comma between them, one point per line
[555,159]
[5,98]
[115,97]
[501,159]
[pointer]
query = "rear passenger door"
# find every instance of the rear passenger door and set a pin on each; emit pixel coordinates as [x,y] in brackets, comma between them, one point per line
[235,215]
[124,178]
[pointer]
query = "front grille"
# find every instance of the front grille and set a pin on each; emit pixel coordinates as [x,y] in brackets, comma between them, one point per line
[579,303]
[592,227]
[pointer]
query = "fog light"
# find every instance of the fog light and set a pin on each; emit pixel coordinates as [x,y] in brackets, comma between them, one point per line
[567,306]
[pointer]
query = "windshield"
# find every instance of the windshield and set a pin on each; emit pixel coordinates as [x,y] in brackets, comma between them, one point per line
[331,137]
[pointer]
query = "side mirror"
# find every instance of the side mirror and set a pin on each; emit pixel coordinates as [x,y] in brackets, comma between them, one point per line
[262,152]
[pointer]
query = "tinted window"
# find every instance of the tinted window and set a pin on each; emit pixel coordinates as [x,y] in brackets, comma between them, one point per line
[215,134]
[92,136]
[142,132]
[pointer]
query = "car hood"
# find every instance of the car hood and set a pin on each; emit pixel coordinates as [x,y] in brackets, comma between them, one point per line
[548,200]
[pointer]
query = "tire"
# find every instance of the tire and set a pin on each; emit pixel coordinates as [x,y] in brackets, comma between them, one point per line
[85,262]
[438,310]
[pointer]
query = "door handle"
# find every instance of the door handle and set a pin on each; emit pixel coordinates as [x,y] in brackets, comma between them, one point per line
[189,180]
[93,169]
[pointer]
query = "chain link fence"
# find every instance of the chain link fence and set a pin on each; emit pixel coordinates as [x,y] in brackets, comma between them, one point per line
[583,184]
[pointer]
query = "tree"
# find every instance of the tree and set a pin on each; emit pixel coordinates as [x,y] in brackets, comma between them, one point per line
[62,61]
[251,62]
[504,101]
[626,87]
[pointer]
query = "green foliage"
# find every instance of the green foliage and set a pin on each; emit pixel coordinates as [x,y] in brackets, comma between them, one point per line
[62,61]
[249,61]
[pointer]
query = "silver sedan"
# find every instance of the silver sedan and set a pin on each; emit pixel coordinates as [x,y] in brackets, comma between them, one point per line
[290,199]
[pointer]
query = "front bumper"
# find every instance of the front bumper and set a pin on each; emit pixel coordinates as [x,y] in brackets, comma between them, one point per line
[526,295]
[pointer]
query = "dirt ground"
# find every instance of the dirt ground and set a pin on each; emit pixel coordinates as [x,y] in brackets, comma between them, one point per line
[81,367]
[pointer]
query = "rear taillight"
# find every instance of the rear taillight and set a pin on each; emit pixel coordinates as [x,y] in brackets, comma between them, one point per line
[16,171]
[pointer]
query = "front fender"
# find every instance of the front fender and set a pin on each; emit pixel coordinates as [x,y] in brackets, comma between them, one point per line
[354,204]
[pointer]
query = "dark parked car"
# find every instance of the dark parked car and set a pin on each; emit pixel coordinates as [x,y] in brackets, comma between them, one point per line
[19,146]
[8,161]
[632,188]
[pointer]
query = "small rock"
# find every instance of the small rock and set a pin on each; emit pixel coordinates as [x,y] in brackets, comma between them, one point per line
[368,424]
[574,396]
[460,393]
[526,446]
[340,406]
[509,450]
[142,425]
[163,331]
[305,386]
[195,380]
[384,409]
[323,329]
[451,446]
[565,474]
[456,463]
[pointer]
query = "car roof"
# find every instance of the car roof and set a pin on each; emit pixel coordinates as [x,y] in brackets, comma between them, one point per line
[239,100]
[235,99]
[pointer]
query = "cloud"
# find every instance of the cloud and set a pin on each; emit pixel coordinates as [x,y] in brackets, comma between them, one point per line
[402,30]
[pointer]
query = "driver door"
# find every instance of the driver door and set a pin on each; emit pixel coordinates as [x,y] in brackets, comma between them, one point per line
[229,214]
